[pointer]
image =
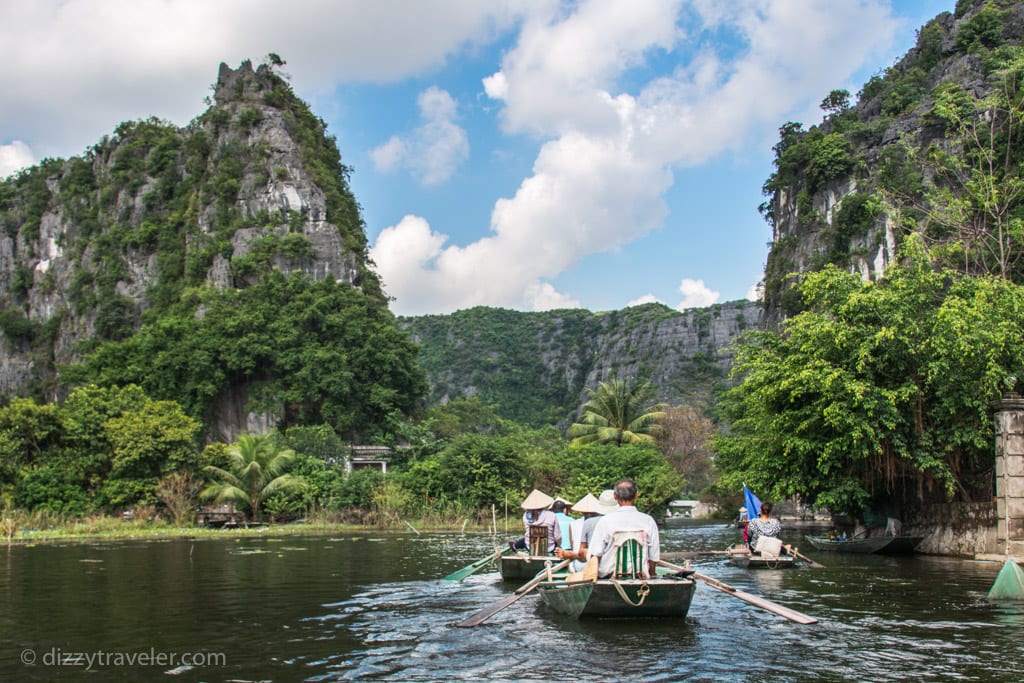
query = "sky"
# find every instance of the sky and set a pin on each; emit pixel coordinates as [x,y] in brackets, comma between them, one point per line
[530,155]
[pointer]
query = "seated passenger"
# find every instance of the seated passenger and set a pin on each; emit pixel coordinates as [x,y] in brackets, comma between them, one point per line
[624,518]
[593,509]
[764,525]
[537,515]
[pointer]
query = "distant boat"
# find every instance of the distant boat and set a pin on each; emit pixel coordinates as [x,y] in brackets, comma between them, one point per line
[740,556]
[883,545]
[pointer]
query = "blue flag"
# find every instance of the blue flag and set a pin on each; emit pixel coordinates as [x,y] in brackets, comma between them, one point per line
[752,502]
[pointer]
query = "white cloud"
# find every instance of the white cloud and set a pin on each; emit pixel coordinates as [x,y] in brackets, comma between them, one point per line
[434,150]
[388,156]
[14,156]
[424,276]
[645,299]
[80,67]
[599,180]
[756,292]
[696,294]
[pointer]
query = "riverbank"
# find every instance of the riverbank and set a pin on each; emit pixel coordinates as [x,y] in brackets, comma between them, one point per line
[114,529]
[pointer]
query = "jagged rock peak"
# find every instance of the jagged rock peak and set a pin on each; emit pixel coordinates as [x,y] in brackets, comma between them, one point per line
[243,83]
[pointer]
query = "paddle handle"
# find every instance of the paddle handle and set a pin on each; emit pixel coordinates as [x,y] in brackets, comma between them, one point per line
[754,600]
[478,618]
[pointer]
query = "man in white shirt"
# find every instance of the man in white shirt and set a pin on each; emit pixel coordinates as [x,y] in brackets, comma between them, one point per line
[625,518]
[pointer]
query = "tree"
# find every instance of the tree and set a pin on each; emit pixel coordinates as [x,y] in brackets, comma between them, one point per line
[619,413]
[685,439]
[178,492]
[155,440]
[836,102]
[257,468]
[314,352]
[876,389]
[593,468]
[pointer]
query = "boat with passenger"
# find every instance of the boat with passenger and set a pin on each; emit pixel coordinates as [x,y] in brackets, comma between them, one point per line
[629,593]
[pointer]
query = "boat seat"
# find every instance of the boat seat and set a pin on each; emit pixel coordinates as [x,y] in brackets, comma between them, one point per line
[538,540]
[630,554]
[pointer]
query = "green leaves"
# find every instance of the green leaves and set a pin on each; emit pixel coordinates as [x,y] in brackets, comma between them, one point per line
[101,448]
[875,388]
[618,412]
[315,351]
[258,468]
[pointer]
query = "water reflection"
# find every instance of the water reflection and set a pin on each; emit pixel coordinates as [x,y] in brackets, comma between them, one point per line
[371,607]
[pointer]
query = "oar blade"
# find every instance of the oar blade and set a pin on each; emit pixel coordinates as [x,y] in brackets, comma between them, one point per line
[810,563]
[460,574]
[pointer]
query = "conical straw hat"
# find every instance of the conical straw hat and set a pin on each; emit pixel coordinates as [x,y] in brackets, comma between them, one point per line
[586,504]
[537,500]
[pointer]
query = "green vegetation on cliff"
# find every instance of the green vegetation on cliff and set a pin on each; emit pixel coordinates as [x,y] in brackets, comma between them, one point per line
[221,265]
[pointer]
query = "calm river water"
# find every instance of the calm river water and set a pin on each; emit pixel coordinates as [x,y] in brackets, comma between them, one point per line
[369,606]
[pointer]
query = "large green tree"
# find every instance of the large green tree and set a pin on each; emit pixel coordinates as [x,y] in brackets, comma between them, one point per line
[618,412]
[102,448]
[876,389]
[315,352]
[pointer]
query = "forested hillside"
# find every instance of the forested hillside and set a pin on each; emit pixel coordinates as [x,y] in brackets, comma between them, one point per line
[910,154]
[535,367]
[221,265]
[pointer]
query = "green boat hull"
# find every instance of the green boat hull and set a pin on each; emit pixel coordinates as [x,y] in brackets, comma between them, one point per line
[521,567]
[666,599]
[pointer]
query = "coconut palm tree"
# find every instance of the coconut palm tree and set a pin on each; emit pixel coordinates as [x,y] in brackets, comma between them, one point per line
[256,469]
[616,413]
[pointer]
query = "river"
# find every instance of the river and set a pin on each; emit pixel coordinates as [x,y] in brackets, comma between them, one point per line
[370,606]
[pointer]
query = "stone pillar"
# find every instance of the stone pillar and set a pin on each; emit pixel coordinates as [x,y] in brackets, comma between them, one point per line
[1009,416]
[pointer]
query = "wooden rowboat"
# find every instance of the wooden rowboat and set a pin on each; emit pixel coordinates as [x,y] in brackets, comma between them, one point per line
[661,597]
[755,561]
[884,545]
[521,567]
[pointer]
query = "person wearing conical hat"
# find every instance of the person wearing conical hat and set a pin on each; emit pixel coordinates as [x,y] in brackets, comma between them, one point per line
[592,509]
[537,515]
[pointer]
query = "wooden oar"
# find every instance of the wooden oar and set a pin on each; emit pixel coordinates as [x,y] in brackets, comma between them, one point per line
[471,568]
[488,612]
[809,561]
[772,607]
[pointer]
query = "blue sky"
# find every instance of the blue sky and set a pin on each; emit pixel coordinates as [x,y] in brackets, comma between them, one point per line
[529,155]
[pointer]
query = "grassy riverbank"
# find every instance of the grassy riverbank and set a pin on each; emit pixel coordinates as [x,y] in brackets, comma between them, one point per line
[114,528]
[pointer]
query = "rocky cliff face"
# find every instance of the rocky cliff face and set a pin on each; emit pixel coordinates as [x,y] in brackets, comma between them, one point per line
[535,367]
[843,190]
[93,246]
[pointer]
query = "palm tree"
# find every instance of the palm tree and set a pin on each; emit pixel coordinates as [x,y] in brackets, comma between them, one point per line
[256,469]
[616,414]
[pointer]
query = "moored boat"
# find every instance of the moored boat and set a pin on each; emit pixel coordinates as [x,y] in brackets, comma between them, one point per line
[884,545]
[661,597]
